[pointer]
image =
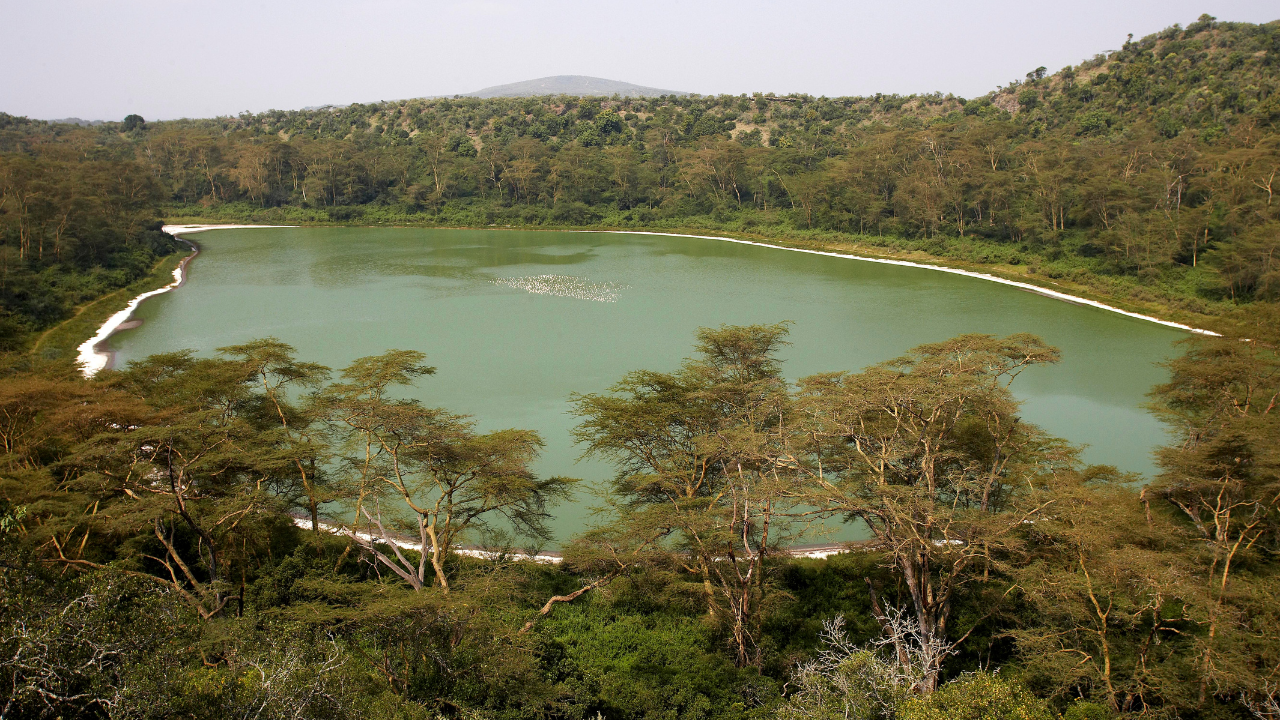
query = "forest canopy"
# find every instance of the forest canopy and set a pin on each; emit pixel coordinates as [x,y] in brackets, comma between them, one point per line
[202,536]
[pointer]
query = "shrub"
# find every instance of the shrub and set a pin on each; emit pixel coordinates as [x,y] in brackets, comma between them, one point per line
[978,696]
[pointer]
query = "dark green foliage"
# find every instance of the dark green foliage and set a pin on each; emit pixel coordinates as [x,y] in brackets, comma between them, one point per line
[652,665]
[1082,710]
[74,645]
[125,590]
[73,226]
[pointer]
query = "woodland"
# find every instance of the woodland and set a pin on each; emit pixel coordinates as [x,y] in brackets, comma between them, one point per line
[240,532]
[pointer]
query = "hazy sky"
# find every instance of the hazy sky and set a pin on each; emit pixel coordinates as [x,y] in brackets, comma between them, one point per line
[103,59]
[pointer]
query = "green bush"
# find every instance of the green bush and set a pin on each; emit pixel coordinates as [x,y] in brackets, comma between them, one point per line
[1082,710]
[979,696]
[652,666]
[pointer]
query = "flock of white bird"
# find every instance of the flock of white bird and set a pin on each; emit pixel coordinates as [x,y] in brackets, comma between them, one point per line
[564,286]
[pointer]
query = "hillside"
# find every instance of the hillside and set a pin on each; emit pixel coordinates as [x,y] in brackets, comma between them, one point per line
[577,85]
[1144,175]
[1204,78]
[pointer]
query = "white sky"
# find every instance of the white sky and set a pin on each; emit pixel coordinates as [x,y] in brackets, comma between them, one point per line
[162,59]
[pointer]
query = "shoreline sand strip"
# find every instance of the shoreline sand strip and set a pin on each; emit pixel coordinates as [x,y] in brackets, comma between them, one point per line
[940,268]
[91,358]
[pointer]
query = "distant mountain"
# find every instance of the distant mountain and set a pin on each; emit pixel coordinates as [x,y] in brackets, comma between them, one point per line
[571,85]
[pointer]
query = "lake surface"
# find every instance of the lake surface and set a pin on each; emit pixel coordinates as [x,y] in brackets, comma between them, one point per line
[510,345]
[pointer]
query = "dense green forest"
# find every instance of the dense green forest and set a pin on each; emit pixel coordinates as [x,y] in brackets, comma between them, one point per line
[248,534]
[167,544]
[77,222]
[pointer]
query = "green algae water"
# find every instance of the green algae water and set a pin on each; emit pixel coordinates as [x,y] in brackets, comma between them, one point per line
[516,321]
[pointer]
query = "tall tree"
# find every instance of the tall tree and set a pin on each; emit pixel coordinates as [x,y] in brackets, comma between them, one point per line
[195,470]
[271,364]
[700,482]
[929,453]
[1223,478]
[446,478]
[1110,614]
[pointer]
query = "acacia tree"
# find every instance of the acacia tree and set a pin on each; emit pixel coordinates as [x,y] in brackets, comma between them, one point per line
[447,478]
[435,148]
[1112,614]
[1223,479]
[928,452]
[195,468]
[700,480]
[274,369]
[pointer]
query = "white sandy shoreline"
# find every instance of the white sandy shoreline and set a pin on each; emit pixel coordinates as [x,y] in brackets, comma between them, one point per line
[940,268]
[820,551]
[93,359]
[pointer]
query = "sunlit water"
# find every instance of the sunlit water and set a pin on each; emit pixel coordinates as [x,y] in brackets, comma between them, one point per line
[517,321]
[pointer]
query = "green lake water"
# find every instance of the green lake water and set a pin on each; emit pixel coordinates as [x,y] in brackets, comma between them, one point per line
[511,356]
